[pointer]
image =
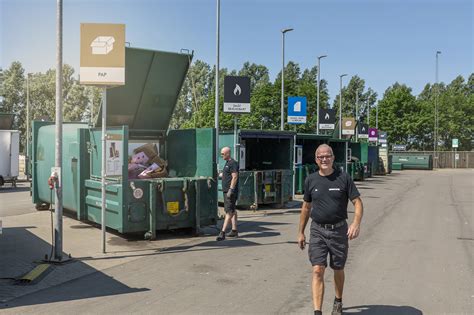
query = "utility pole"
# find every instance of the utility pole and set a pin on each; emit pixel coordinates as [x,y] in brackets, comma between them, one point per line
[27,157]
[357,114]
[319,87]
[282,105]
[340,104]
[216,105]
[58,204]
[435,131]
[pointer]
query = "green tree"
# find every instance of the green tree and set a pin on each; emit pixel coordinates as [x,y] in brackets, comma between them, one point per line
[355,89]
[456,114]
[14,96]
[397,114]
[195,91]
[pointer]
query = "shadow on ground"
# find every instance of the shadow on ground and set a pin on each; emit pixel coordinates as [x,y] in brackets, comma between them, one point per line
[382,309]
[22,251]
[9,189]
[247,230]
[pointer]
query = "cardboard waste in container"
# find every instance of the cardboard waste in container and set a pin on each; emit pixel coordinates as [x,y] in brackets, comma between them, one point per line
[138,123]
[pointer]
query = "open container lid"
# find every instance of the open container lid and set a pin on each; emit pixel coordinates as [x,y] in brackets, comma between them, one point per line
[153,81]
[6,121]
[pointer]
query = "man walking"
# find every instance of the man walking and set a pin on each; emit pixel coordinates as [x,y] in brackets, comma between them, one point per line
[230,186]
[326,195]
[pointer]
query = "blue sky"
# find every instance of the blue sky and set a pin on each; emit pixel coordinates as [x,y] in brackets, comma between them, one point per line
[382,41]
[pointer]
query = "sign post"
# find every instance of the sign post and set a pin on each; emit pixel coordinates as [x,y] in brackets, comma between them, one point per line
[296,116]
[373,135]
[236,100]
[456,155]
[399,147]
[327,119]
[297,110]
[103,64]
[348,126]
[363,131]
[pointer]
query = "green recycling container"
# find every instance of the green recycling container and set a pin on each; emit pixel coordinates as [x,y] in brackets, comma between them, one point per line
[138,113]
[360,150]
[414,162]
[340,148]
[308,144]
[265,166]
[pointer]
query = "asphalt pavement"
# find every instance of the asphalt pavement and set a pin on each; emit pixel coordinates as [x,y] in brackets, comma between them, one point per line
[414,256]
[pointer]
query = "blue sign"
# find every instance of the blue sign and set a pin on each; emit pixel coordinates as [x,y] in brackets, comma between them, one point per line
[297,110]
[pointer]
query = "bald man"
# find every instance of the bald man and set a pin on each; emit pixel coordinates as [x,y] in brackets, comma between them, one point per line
[326,195]
[230,186]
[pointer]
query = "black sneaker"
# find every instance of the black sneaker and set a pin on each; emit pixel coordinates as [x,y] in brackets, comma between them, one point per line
[233,234]
[337,308]
[221,237]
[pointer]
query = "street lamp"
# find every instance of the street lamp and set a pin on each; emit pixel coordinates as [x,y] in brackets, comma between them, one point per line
[340,104]
[216,104]
[283,32]
[317,99]
[27,158]
[435,130]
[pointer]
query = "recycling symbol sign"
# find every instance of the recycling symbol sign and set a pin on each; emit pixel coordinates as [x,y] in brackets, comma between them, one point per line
[236,94]
[327,119]
[363,130]
[373,135]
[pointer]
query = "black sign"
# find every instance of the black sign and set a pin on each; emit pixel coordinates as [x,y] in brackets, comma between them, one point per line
[399,147]
[382,136]
[236,94]
[327,118]
[363,129]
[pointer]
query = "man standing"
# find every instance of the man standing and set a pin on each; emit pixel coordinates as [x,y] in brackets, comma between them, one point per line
[230,186]
[326,195]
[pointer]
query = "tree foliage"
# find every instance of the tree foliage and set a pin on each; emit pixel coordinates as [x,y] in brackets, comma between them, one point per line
[407,118]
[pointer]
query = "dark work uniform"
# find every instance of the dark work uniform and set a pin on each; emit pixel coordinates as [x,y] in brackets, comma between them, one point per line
[329,196]
[231,166]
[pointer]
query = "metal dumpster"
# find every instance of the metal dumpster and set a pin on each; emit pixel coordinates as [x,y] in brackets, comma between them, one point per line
[355,169]
[74,159]
[340,147]
[413,161]
[266,166]
[9,150]
[373,160]
[385,165]
[138,113]
[308,143]
[360,150]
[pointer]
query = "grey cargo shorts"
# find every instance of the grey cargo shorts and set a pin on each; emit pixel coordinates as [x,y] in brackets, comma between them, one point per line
[229,203]
[324,241]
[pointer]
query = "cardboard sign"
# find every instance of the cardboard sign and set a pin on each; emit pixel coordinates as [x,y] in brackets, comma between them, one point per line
[102,54]
[348,126]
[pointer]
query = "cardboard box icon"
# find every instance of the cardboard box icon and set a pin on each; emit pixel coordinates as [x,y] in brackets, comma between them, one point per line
[102,45]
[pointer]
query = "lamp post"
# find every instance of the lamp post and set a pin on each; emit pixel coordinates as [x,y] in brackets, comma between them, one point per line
[340,104]
[317,98]
[216,105]
[435,129]
[357,115]
[283,32]
[27,158]
[58,204]
[368,112]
